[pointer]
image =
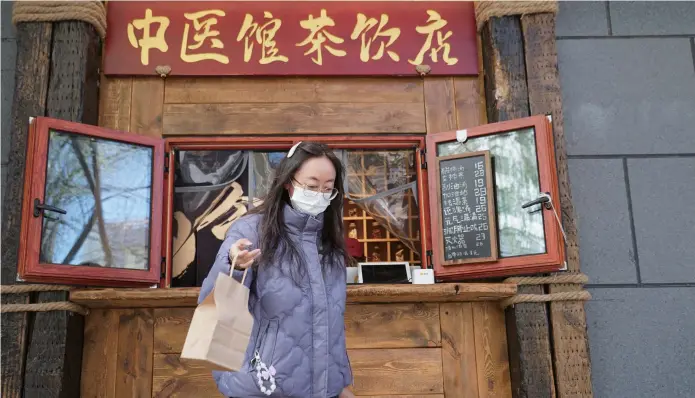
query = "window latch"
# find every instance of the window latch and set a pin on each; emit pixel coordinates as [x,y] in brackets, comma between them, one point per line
[543,199]
[39,208]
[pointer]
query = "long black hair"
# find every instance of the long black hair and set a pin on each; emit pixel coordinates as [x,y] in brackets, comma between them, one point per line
[273,235]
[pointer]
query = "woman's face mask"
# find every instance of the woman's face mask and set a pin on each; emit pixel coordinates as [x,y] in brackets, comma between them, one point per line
[310,202]
[313,198]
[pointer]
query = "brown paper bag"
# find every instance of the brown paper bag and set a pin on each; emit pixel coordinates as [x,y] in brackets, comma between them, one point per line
[221,325]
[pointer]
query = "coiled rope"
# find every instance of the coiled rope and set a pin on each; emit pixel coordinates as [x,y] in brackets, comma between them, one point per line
[571,279]
[485,10]
[40,307]
[92,12]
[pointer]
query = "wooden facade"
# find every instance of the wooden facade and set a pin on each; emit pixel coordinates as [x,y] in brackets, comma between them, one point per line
[242,106]
[405,349]
[400,344]
[450,342]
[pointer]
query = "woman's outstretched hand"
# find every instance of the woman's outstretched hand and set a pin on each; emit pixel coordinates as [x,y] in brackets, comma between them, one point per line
[244,256]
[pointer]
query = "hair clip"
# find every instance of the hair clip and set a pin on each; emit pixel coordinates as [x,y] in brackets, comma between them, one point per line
[293,149]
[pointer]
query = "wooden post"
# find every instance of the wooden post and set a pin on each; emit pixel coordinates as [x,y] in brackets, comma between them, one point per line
[57,76]
[506,96]
[570,341]
[54,358]
[31,86]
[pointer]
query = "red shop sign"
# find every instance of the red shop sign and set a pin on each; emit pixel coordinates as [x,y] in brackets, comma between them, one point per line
[198,38]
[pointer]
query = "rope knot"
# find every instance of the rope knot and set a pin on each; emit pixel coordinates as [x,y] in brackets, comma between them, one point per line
[92,12]
[485,10]
[570,278]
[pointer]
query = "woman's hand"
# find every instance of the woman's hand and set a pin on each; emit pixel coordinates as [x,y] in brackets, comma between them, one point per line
[244,257]
[346,394]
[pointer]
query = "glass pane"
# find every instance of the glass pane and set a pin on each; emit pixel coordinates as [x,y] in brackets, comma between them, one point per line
[370,172]
[210,193]
[395,211]
[105,187]
[516,182]
[264,165]
[381,210]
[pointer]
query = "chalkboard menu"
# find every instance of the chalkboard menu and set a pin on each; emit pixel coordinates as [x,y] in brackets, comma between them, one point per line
[466,208]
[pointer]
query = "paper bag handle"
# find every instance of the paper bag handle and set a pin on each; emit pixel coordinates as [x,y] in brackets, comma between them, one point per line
[231,269]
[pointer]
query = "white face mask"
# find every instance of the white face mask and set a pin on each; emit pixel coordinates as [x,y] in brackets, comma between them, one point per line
[311,202]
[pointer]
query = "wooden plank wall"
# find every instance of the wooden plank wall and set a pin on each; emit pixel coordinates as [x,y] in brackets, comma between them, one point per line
[410,350]
[456,350]
[254,106]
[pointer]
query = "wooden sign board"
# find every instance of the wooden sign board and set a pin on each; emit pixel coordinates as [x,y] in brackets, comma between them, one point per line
[202,38]
[466,204]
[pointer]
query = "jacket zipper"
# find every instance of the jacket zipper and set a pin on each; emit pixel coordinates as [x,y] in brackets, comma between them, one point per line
[325,292]
[260,343]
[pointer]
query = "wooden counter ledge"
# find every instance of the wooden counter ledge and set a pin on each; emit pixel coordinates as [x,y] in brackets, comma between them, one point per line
[187,297]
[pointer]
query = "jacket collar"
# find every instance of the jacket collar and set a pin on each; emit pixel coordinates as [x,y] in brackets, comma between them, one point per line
[301,223]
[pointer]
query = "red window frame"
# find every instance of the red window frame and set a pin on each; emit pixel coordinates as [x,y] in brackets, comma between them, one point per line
[554,257]
[29,267]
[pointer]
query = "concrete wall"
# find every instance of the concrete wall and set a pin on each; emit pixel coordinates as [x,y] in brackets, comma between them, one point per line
[628,84]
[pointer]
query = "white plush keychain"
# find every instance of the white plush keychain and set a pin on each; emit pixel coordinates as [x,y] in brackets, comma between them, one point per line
[264,374]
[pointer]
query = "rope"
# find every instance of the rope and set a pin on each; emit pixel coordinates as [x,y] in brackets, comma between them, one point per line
[18,289]
[576,279]
[572,279]
[485,10]
[92,12]
[45,307]
[544,298]
[40,307]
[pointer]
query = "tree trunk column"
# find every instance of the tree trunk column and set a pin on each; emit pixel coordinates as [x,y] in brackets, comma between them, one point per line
[522,79]
[57,75]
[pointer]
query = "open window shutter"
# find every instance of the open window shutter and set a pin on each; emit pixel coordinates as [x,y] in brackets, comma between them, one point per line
[92,208]
[476,233]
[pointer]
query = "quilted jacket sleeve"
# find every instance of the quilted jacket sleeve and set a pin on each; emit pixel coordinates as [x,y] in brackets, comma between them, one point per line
[240,229]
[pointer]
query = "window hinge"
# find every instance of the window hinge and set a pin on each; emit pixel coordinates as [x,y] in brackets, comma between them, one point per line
[423,159]
[429,253]
[166,162]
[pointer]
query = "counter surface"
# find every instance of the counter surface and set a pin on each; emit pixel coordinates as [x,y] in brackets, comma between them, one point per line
[187,297]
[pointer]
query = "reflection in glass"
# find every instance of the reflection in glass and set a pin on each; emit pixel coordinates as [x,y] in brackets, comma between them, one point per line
[210,193]
[105,186]
[516,182]
[383,184]
[264,165]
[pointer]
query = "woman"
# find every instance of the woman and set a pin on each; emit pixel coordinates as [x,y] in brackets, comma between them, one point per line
[295,246]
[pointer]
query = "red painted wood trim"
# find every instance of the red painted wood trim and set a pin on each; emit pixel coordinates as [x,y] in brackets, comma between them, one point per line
[34,271]
[555,249]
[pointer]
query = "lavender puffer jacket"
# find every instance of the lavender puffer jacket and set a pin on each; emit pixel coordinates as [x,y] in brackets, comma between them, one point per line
[298,329]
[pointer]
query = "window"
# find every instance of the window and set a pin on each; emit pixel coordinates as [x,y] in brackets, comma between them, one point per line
[90,212]
[523,163]
[106,208]
[216,182]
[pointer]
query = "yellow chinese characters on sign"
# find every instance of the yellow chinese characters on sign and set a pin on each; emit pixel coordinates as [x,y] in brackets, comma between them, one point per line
[318,35]
[364,26]
[203,22]
[435,25]
[265,37]
[146,42]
